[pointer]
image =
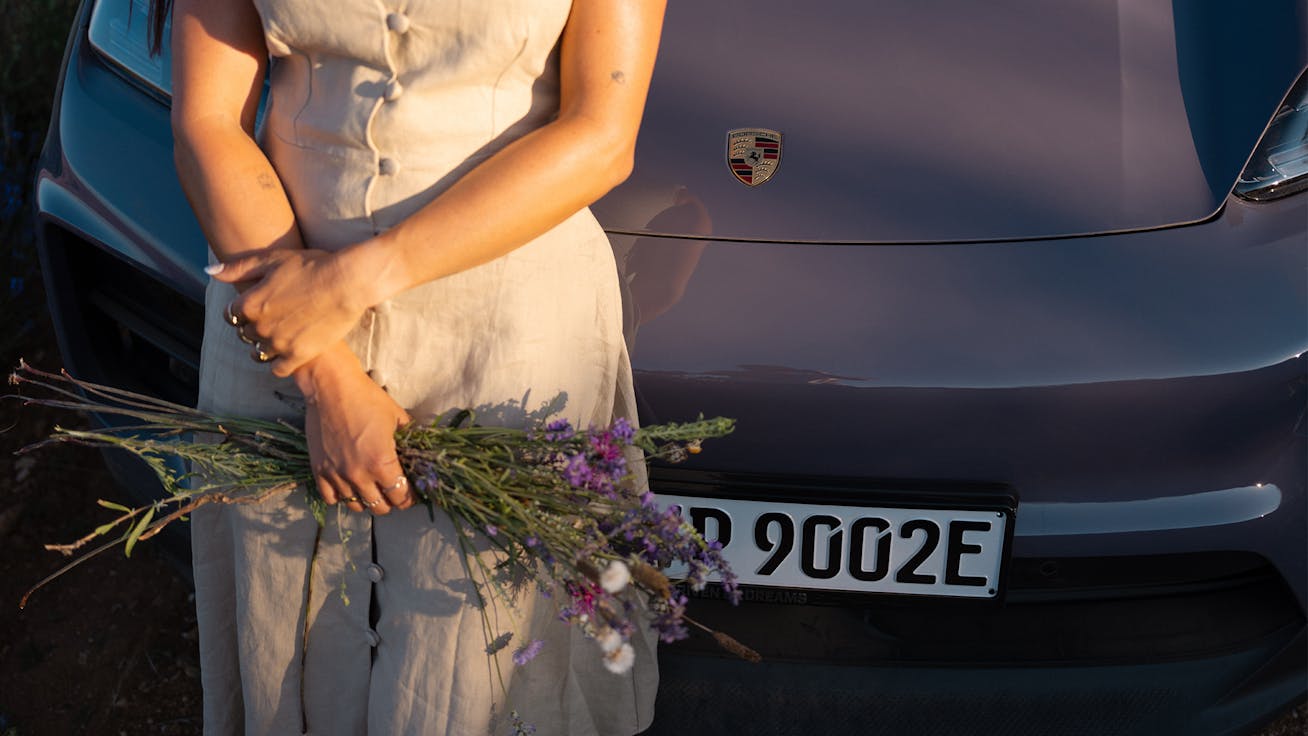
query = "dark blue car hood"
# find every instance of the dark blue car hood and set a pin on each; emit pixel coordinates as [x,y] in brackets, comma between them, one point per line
[954,120]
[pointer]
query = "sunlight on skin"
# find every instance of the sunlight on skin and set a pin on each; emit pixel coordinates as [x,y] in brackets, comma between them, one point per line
[303,301]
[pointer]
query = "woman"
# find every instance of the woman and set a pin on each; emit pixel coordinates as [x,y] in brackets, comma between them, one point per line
[408,234]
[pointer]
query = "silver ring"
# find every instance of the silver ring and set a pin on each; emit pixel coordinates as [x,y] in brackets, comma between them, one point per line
[259,355]
[349,499]
[370,504]
[397,485]
[240,332]
[232,318]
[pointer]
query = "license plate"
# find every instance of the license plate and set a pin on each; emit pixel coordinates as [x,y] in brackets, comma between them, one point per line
[933,552]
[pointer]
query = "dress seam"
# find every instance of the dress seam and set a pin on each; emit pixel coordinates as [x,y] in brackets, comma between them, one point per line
[308,97]
[304,632]
[495,88]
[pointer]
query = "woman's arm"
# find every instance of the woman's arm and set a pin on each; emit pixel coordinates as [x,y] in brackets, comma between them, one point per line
[607,58]
[528,187]
[219,61]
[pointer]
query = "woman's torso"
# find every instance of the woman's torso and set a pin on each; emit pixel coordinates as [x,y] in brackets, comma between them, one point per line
[377,106]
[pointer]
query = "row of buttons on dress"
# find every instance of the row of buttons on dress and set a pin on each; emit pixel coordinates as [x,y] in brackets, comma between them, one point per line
[397,23]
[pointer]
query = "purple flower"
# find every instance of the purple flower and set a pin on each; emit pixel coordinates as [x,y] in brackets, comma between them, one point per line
[528,652]
[604,448]
[425,478]
[492,530]
[669,621]
[578,471]
[559,430]
[623,431]
[531,540]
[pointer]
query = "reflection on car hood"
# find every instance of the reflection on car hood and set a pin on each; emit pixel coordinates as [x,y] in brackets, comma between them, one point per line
[956,120]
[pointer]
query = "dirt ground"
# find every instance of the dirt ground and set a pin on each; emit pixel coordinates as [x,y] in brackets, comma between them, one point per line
[110,648]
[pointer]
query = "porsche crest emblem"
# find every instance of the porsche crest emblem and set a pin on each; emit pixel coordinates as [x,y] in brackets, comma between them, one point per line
[753,154]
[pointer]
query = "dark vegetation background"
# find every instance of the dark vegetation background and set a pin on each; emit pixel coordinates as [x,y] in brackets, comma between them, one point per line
[110,647]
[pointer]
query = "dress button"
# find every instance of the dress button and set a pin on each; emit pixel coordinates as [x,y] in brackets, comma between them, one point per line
[388,167]
[373,638]
[375,573]
[393,90]
[398,22]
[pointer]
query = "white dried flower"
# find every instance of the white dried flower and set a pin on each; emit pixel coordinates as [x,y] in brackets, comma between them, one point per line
[620,660]
[609,640]
[615,577]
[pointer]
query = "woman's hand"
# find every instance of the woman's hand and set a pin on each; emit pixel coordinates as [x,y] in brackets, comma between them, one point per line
[297,303]
[350,423]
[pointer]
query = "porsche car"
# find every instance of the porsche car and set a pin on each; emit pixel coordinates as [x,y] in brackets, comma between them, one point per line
[1009,299]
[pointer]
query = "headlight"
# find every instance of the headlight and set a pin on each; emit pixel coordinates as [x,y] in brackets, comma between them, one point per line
[1279,166]
[120,31]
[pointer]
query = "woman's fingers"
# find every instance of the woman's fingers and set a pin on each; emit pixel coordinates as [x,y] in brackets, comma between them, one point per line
[397,492]
[364,485]
[333,491]
[288,363]
[240,269]
[295,304]
[325,488]
[350,425]
[248,312]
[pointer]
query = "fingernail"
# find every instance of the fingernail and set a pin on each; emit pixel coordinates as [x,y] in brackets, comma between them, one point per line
[213,269]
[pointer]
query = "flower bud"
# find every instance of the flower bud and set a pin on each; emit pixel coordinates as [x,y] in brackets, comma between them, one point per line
[740,650]
[615,577]
[609,640]
[651,579]
[620,660]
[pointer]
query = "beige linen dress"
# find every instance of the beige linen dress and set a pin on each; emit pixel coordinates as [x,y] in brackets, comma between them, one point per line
[376,107]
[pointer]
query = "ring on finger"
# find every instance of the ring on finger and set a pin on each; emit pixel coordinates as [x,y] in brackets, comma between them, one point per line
[350,499]
[231,317]
[397,485]
[240,332]
[370,504]
[259,355]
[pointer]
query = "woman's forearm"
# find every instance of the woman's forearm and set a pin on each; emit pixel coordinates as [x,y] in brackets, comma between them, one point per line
[233,189]
[541,179]
[519,193]
[242,208]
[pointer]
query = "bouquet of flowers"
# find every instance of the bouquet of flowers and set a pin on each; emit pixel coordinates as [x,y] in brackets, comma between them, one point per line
[554,500]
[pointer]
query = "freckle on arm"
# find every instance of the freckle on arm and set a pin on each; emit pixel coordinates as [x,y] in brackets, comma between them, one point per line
[619,77]
[266,181]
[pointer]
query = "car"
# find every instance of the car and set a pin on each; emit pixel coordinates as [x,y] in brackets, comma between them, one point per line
[1010,301]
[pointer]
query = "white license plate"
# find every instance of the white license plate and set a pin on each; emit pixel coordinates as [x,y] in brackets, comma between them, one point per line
[934,552]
